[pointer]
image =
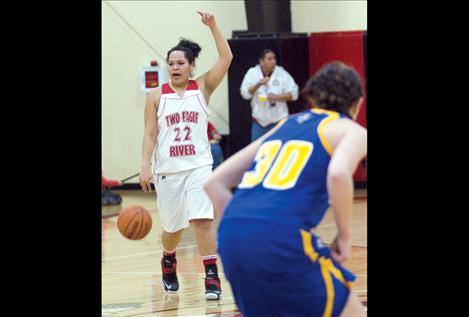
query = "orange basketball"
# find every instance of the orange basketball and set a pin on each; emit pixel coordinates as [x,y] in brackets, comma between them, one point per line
[134,222]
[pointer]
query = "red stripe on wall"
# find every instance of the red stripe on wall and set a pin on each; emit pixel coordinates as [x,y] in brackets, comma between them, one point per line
[347,47]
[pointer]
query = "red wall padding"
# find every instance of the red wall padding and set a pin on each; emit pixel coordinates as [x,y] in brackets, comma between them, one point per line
[347,47]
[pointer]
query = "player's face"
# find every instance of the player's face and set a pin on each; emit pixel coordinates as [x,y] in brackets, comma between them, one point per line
[179,68]
[268,62]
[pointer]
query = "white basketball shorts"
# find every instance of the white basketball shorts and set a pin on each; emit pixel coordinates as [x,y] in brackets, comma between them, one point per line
[181,198]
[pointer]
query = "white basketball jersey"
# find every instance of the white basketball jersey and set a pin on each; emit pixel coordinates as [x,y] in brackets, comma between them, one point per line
[182,142]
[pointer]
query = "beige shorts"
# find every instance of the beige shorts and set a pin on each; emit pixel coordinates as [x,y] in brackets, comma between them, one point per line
[181,198]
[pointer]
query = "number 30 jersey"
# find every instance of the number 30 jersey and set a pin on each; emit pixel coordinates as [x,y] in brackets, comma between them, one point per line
[182,142]
[286,183]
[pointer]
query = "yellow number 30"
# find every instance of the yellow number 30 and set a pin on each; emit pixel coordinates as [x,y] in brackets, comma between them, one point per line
[286,168]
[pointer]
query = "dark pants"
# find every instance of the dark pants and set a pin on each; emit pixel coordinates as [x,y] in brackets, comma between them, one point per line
[217,154]
[257,130]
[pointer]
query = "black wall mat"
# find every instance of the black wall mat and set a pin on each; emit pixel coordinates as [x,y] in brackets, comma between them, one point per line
[268,16]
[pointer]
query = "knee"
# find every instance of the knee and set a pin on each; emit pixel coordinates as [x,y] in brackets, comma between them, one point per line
[201,224]
[173,234]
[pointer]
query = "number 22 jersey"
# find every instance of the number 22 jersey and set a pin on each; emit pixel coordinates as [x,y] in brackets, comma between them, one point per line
[182,142]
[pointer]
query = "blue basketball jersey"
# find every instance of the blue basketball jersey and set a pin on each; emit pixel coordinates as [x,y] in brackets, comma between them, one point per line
[286,183]
[275,265]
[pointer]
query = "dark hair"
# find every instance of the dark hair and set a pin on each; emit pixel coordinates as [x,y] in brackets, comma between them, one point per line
[191,49]
[265,52]
[335,87]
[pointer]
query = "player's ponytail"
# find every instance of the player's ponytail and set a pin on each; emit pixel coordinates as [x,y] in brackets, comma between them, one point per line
[191,50]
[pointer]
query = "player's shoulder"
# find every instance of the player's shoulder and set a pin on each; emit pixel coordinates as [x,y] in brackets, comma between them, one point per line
[337,129]
[153,96]
[346,124]
[154,93]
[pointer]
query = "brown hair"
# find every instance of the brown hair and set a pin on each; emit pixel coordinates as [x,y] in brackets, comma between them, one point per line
[191,49]
[335,87]
[265,52]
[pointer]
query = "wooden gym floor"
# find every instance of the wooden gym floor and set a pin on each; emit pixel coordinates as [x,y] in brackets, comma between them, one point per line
[131,272]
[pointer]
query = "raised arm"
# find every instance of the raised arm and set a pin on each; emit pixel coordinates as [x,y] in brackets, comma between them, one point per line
[211,79]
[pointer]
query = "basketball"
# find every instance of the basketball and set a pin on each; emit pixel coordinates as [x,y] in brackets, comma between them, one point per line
[134,222]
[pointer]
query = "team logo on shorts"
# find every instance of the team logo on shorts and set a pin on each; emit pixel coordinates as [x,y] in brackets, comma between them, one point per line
[163,177]
[320,243]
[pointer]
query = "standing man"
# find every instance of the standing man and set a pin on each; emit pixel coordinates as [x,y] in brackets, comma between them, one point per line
[269,87]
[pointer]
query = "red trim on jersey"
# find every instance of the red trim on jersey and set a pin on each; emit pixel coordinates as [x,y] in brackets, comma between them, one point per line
[166,88]
[192,85]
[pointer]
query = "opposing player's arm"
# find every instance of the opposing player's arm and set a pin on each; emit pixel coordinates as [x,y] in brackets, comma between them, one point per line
[349,143]
[224,178]
[229,174]
[211,79]
[149,137]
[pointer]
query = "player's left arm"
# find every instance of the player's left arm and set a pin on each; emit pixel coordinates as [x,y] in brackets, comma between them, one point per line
[349,141]
[229,174]
[211,79]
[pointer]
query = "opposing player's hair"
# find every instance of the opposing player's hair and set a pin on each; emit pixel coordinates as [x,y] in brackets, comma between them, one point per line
[335,87]
[191,49]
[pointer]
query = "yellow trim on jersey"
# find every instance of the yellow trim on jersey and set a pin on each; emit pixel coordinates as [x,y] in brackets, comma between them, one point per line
[336,272]
[327,270]
[278,125]
[327,263]
[308,246]
[282,121]
[331,116]
[329,287]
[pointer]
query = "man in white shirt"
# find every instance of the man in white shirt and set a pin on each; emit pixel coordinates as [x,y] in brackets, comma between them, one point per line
[269,87]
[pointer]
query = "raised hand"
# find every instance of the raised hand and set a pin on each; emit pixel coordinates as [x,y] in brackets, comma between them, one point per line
[264,80]
[273,98]
[207,18]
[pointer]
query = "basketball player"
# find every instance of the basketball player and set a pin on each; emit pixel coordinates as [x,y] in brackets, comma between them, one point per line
[176,155]
[286,181]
